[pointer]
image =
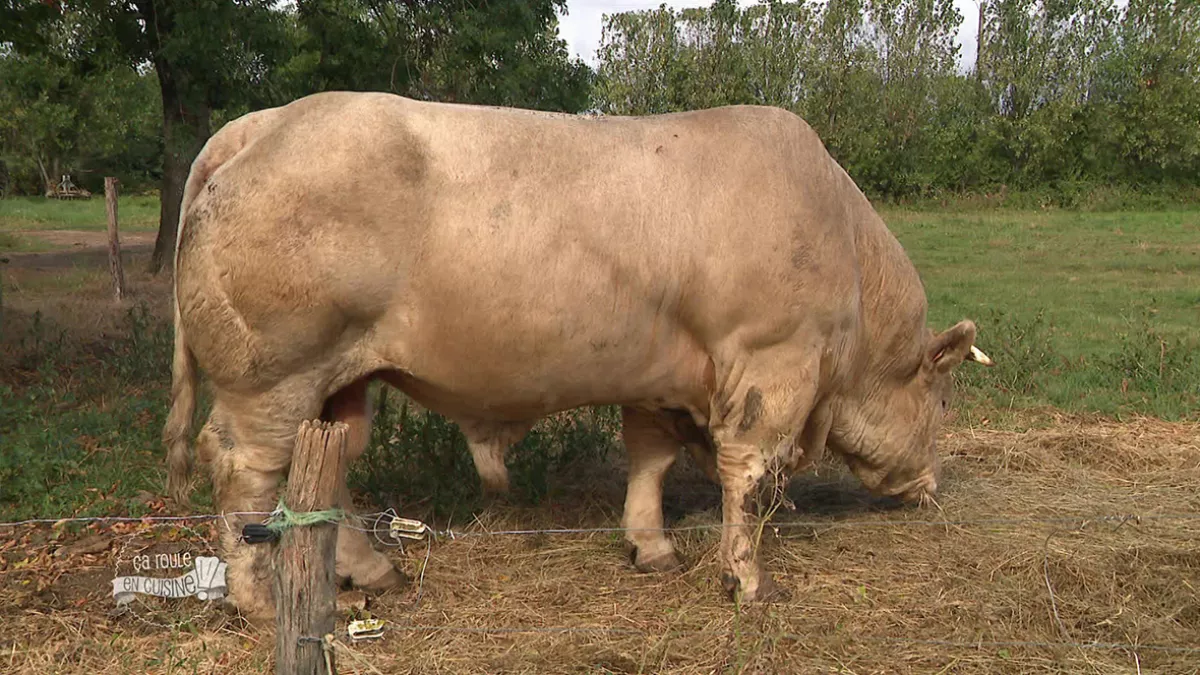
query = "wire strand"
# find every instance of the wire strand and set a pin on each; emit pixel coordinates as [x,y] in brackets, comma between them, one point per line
[133,519]
[567,630]
[1079,521]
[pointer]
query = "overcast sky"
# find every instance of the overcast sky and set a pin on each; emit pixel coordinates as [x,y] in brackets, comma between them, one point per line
[581,26]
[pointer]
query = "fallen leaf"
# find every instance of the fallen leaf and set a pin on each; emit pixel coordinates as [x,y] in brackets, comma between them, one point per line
[96,543]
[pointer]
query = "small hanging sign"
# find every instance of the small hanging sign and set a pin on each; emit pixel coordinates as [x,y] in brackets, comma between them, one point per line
[205,580]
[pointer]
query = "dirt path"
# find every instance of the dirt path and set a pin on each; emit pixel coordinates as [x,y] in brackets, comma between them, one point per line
[78,248]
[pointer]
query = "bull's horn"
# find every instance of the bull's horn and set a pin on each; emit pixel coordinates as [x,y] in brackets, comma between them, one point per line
[979,357]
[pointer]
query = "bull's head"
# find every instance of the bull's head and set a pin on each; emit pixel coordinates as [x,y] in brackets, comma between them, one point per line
[886,427]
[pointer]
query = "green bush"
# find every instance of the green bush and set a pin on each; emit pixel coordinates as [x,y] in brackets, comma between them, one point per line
[418,454]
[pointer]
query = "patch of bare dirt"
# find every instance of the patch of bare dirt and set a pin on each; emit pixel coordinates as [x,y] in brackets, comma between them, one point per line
[79,248]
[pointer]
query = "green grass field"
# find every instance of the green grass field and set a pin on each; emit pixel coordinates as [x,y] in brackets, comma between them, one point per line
[1087,312]
[135,213]
[1094,313]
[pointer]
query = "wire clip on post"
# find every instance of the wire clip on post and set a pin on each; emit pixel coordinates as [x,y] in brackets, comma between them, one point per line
[259,533]
[406,528]
[365,629]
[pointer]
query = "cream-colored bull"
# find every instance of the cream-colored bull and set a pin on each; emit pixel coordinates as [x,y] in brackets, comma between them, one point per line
[715,273]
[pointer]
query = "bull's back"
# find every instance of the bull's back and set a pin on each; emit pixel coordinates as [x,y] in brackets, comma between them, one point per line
[497,251]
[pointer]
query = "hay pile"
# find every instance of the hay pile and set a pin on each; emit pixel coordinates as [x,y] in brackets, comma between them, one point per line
[874,590]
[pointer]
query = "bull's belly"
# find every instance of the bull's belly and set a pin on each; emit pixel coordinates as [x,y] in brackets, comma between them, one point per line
[497,406]
[485,384]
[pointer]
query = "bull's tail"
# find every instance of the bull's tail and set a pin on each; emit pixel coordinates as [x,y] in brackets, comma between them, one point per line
[177,433]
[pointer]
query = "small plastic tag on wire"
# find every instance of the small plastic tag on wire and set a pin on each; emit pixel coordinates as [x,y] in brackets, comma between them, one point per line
[407,528]
[365,629]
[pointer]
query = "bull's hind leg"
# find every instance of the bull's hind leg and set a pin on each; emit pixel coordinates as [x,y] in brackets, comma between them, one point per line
[261,431]
[357,560]
[652,450]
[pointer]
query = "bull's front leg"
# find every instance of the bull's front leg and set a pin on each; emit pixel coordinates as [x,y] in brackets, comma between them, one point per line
[741,467]
[771,403]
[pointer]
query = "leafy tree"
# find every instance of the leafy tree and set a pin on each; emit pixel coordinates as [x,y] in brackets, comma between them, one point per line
[501,53]
[58,118]
[1150,97]
[205,53]
[914,54]
[1063,91]
[497,53]
[642,66]
[778,51]
[39,120]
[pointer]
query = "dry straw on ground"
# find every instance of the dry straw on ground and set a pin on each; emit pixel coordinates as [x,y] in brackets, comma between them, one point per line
[873,590]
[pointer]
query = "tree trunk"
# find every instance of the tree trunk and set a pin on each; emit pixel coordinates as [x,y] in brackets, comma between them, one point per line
[980,43]
[186,127]
[47,186]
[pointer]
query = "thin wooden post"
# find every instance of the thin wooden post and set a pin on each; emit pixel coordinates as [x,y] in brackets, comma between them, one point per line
[305,586]
[114,241]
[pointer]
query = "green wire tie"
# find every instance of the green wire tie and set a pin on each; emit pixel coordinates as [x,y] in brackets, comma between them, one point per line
[283,518]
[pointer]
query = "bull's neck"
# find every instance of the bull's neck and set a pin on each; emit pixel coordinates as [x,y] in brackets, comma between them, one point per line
[893,300]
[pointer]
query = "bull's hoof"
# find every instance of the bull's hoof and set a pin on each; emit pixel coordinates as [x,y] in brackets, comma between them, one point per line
[258,615]
[253,604]
[351,602]
[770,591]
[392,578]
[496,495]
[664,562]
[767,591]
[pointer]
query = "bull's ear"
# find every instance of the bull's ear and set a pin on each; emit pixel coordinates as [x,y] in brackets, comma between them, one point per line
[951,347]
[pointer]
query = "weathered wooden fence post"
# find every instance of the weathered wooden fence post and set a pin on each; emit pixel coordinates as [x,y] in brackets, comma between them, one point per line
[305,586]
[114,242]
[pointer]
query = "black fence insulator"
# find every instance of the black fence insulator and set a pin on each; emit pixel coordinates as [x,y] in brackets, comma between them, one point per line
[257,533]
